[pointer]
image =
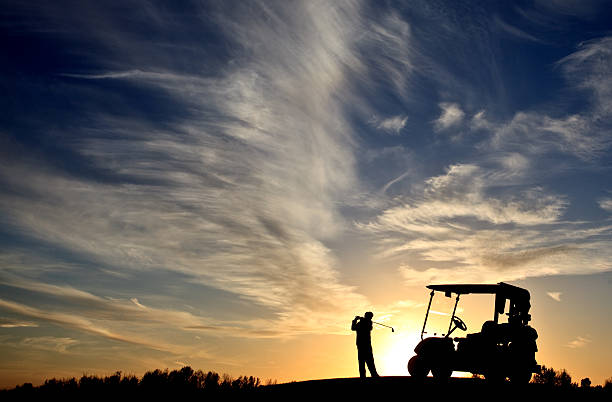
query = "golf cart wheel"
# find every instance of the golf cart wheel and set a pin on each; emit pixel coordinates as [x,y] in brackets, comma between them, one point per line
[521,377]
[417,368]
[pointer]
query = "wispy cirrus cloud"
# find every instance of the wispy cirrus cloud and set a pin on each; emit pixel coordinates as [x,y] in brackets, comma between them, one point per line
[107,315]
[606,204]
[230,153]
[242,190]
[514,31]
[459,230]
[38,344]
[588,68]
[391,125]
[461,192]
[579,342]
[12,323]
[535,134]
[49,343]
[451,116]
[556,296]
[75,322]
[582,135]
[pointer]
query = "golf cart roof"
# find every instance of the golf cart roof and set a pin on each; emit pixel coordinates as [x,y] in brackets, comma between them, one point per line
[502,289]
[518,297]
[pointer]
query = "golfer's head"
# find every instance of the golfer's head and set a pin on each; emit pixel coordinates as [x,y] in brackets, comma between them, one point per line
[368,315]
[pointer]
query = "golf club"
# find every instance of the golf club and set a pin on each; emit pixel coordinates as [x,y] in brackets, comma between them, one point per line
[374,322]
[392,330]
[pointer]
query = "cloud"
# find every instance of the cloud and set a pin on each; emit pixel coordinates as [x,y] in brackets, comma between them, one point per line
[579,342]
[556,296]
[392,125]
[507,260]
[451,115]
[135,74]
[245,188]
[606,204]
[136,302]
[466,255]
[49,343]
[514,31]
[88,309]
[536,134]
[242,191]
[460,220]
[73,322]
[395,180]
[66,292]
[387,50]
[588,69]
[11,323]
[479,121]
[461,192]
[583,135]
[460,230]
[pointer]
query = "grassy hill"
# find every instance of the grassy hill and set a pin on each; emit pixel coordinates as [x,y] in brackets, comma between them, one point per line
[406,388]
[189,385]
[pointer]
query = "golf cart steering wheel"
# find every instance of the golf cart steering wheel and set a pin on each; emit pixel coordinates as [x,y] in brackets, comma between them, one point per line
[459,323]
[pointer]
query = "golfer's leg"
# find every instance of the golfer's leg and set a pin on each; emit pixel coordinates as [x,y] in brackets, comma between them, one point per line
[362,369]
[371,366]
[362,362]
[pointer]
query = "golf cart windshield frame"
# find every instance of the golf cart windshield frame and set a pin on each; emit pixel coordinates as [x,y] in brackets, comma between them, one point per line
[519,300]
[431,296]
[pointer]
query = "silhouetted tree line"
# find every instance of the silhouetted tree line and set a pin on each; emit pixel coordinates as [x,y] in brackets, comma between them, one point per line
[178,385]
[181,383]
[550,377]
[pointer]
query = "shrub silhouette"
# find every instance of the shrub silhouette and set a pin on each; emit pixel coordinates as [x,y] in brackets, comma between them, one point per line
[187,384]
[553,378]
[546,376]
[181,383]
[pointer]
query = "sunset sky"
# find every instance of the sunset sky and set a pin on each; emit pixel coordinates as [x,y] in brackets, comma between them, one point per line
[226,184]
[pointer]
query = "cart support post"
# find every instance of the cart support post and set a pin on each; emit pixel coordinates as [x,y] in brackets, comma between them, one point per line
[431,295]
[452,316]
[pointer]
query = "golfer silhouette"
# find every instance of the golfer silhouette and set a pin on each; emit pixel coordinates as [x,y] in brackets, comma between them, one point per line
[363,327]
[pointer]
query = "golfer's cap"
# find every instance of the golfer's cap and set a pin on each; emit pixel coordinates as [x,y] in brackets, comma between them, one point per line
[369,314]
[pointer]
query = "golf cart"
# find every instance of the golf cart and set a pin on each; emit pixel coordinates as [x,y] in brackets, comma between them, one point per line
[498,351]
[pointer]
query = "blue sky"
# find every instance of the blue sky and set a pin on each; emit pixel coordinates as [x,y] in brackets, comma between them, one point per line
[211,182]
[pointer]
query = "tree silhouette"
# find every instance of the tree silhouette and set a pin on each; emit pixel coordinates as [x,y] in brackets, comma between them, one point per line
[546,376]
[177,384]
[187,384]
[550,377]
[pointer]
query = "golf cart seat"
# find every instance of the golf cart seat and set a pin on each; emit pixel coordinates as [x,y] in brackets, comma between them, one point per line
[488,328]
[488,334]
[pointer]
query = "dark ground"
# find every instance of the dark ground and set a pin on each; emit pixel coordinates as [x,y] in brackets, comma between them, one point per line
[338,389]
[405,388]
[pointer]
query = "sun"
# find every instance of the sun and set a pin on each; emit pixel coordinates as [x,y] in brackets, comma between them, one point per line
[396,351]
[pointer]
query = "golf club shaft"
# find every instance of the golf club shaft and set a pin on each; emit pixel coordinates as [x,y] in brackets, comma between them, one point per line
[374,322]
